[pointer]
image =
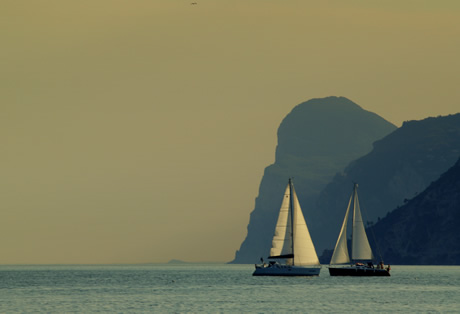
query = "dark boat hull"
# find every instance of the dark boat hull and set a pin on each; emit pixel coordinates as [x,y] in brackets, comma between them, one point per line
[357,271]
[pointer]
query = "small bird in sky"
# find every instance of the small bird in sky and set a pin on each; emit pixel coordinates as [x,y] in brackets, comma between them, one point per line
[193,3]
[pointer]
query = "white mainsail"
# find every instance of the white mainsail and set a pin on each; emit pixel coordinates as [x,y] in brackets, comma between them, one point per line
[292,238]
[360,249]
[282,241]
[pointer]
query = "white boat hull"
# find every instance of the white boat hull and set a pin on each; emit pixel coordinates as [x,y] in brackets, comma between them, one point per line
[286,270]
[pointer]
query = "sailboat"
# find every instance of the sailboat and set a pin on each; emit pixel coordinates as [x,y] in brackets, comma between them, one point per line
[291,243]
[361,252]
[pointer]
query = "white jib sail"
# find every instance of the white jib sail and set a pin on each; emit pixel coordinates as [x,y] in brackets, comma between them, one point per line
[340,255]
[361,250]
[282,242]
[304,250]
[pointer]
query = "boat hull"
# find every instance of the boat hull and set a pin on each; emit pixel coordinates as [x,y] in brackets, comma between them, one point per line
[358,271]
[284,270]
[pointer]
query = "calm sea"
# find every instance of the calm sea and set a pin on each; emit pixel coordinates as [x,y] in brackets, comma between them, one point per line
[203,288]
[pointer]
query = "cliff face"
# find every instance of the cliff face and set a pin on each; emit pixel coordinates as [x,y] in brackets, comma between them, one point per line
[316,139]
[425,230]
[400,166]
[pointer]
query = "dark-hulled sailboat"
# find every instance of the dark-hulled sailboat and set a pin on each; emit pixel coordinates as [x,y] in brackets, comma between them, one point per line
[361,252]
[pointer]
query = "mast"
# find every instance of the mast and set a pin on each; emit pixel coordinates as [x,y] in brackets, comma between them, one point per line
[360,248]
[291,206]
[355,185]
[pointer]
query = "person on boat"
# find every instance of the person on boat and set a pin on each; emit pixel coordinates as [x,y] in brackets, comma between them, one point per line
[262,262]
[370,265]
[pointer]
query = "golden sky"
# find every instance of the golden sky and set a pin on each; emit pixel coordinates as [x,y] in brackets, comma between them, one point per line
[138,131]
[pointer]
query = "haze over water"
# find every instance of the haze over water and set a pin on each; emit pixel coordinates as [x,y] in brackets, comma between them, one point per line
[138,131]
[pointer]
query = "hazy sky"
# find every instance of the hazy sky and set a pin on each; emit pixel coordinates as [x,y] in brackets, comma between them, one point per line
[138,131]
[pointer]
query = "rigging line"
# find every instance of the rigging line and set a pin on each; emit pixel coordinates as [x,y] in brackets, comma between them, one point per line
[291,205]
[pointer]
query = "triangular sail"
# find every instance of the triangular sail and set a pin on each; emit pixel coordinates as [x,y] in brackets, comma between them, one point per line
[361,250]
[340,255]
[304,250]
[282,241]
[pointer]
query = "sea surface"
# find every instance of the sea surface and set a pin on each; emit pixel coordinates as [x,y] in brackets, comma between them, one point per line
[221,288]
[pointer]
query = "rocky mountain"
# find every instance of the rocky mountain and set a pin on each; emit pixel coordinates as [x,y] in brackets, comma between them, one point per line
[425,230]
[400,166]
[316,139]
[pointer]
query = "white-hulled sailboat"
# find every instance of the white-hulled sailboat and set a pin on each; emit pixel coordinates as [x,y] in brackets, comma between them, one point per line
[291,242]
[361,252]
